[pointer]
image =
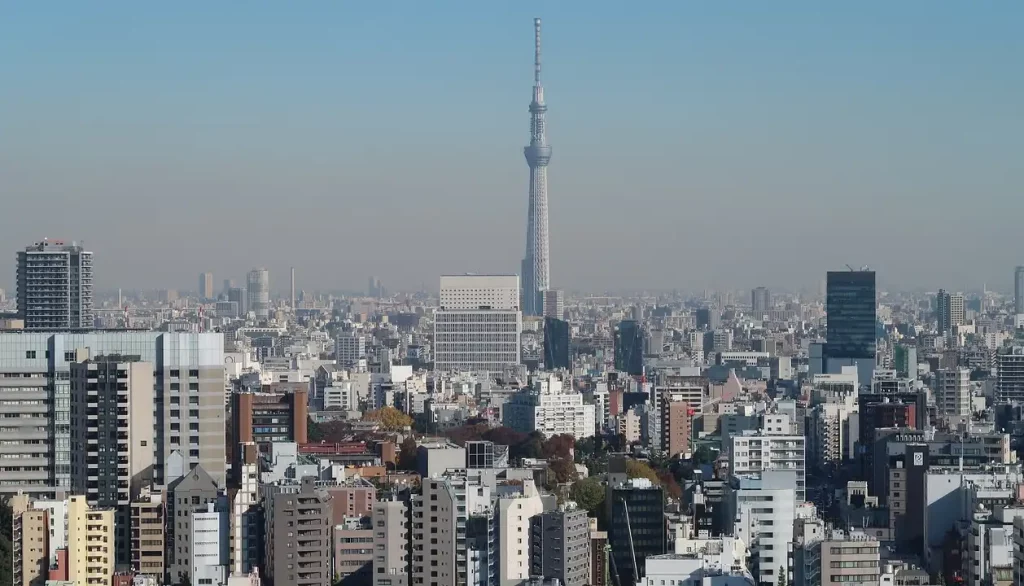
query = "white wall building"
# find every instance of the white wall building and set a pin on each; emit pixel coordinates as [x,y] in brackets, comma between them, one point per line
[550,410]
[763,510]
[478,327]
[953,391]
[514,534]
[349,348]
[753,453]
[210,546]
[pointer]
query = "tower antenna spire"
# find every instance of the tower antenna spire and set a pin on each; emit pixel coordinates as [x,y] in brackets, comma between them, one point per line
[536,51]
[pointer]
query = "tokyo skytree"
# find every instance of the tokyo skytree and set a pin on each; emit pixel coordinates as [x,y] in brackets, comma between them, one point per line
[536,267]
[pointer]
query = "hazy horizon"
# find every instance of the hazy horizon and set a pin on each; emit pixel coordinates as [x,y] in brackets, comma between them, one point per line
[695,146]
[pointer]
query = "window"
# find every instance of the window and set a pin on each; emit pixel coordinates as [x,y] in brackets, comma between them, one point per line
[69,357]
[193,372]
[175,373]
[30,354]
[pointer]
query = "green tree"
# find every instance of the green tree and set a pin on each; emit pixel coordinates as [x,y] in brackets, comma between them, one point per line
[641,469]
[314,432]
[589,494]
[782,576]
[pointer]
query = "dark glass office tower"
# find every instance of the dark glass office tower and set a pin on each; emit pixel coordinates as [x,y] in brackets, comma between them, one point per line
[629,347]
[556,343]
[636,514]
[850,307]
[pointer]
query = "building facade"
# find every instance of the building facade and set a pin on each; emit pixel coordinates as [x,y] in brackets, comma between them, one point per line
[301,523]
[478,326]
[188,393]
[55,286]
[258,293]
[560,546]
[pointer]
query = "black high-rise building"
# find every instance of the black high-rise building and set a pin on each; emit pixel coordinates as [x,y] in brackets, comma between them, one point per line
[636,513]
[556,343]
[629,347]
[850,308]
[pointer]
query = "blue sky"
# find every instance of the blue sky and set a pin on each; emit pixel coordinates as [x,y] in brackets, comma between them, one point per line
[695,144]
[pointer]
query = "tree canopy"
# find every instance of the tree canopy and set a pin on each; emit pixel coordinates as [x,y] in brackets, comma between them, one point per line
[389,418]
[589,494]
[641,469]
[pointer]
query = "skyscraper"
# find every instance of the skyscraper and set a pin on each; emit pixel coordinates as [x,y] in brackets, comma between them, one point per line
[850,314]
[949,310]
[258,286]
[556,344]
[536,269]
[629,347]
[206,285]
[1018,290]
[55,286]
[760,300]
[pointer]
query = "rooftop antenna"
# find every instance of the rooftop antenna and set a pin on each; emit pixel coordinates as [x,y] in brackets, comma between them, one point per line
[536,51]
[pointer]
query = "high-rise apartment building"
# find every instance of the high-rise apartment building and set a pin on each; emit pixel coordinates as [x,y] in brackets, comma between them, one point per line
[953,391]
[1018,290]
[299,529]
[55,286]
[258,297]
[514,513]
[560,546]
[850,330]
[1010,374]
[453,533]
[349,348]
[760,300]
[676,415]
[478,326]
[112,436]
[761,510]
[35,369]
[753,453]
[949,310]
[206,286]
[391,541]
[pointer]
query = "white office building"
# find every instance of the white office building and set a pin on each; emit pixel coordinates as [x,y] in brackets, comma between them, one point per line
[210,546]
[478,326]
[550,409]
[763,508]
[349,348]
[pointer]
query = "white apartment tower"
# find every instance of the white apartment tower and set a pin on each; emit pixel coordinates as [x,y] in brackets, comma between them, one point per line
[349,348]
[753,453]
[478,326]
[55,286]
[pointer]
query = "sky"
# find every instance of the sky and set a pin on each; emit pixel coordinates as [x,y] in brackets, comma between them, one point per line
[696,144]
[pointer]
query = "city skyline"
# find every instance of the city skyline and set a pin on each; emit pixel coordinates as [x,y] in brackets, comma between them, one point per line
[681,129]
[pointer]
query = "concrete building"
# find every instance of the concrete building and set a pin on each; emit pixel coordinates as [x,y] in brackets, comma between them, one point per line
[210,544]
[391,539]
[192,492]
[547,408]
[514,515]
[265,418]
[349,349]
[762,509]
[836,558]
[30,542]
[55,286]
[90,543]
[754,453]
[206,286]
[300,522]
[112,436]
[953,392]
[553,303]
[433,459]
[457,540]
[246,516]
[353,550]
[560,546]
[36,367]
[477,328]
[760,301]
[258,293]
[148,516]
[1010,375]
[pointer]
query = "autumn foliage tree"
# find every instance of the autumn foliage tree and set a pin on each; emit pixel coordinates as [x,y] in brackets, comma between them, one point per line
[389,418]
[641,469]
